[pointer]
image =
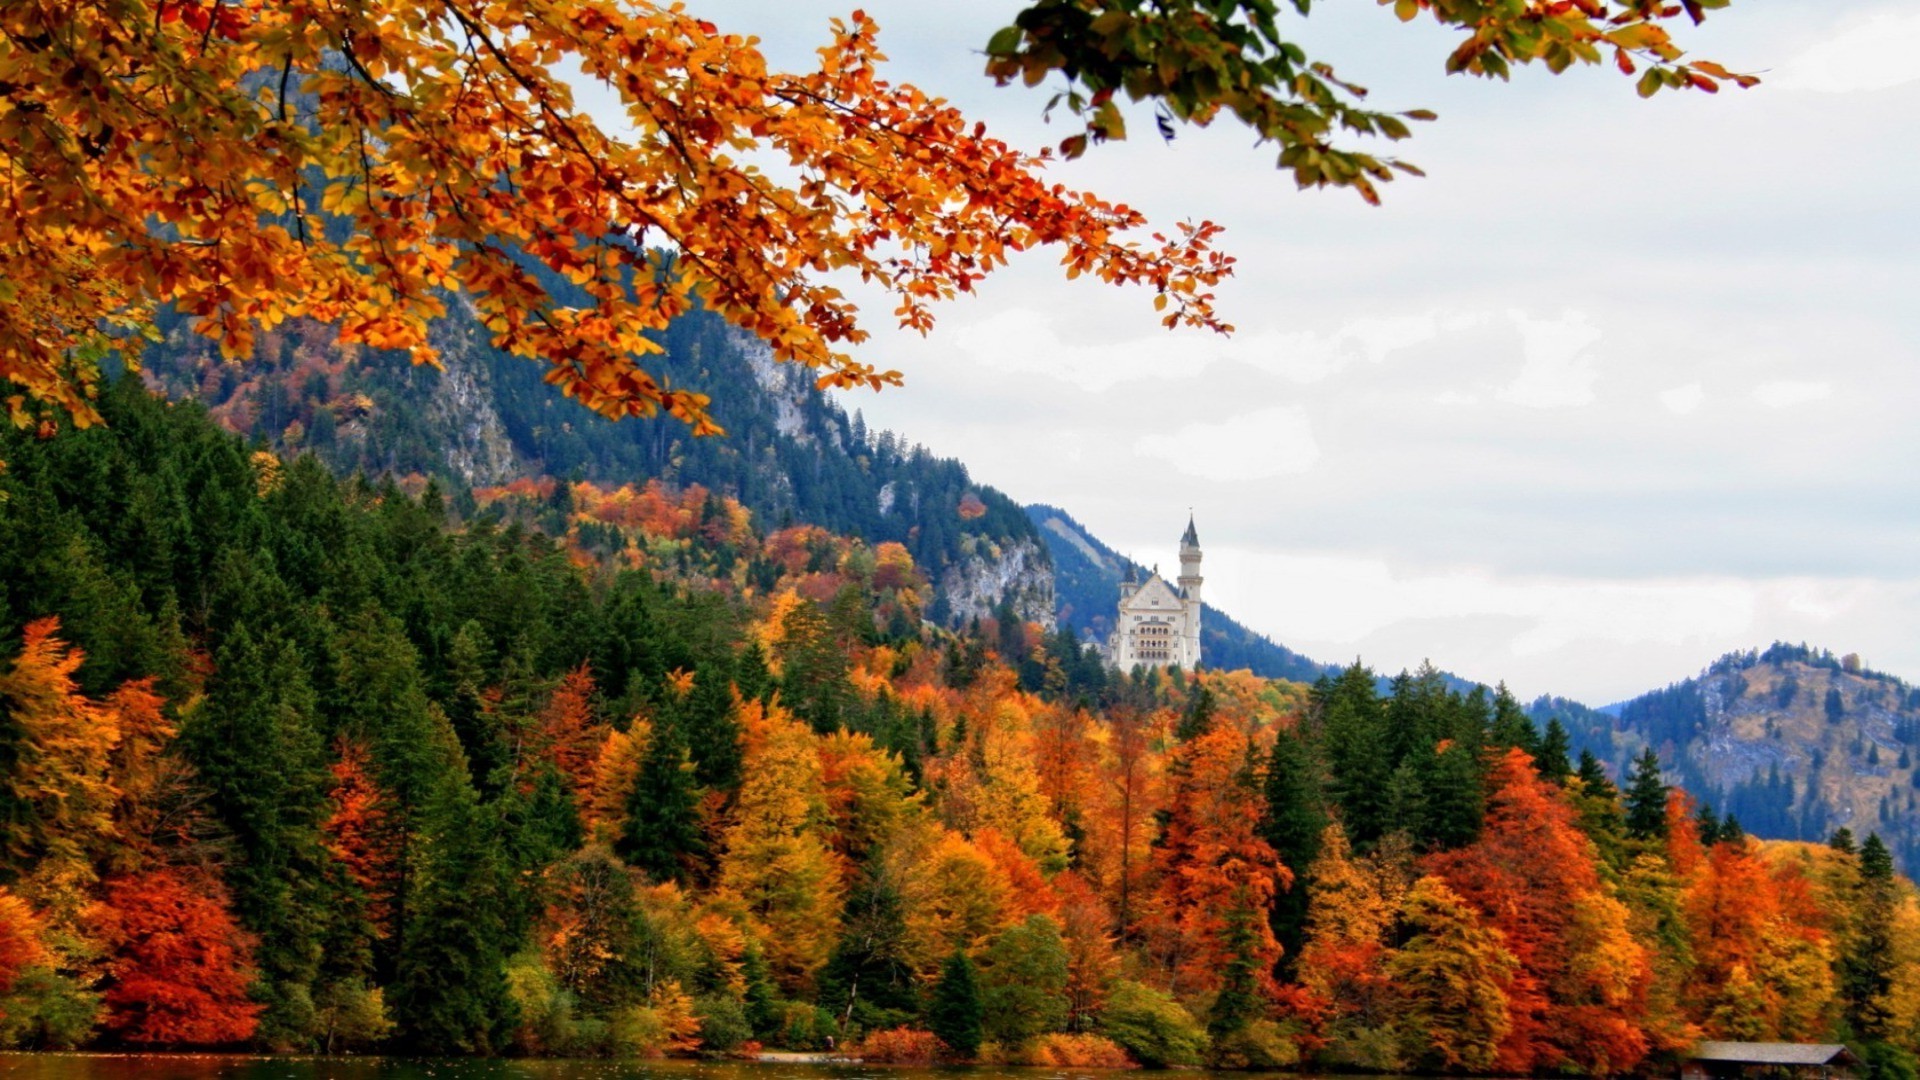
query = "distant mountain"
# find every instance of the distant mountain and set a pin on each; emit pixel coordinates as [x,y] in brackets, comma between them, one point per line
[1792,740]
[1086,579]
[791,454]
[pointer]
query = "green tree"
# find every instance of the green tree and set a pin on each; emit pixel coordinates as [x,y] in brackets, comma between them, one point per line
[1293,815]
[1868,967]
[956,1013]
[254,745]
[1646,798]
[1152,1027]
[662,832]
[1024,982]
[868,979]
[1552,759]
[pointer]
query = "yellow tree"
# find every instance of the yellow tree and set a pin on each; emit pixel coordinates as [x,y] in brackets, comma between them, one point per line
[58,782]
[777,860]
[1451,981]
[248,161]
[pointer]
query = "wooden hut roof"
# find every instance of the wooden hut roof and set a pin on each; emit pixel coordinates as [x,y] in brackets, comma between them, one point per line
[1774,1053]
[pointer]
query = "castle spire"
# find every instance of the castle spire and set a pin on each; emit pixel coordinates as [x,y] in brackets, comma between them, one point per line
[1190,538]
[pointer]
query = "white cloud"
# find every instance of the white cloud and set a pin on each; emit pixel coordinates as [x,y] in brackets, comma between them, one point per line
[1785,393]
[1876,53]
[1253,446]
[1555,374]
[1682,400]
[1544,633]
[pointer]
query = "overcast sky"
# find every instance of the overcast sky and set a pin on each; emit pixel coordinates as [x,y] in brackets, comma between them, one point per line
[1622,385]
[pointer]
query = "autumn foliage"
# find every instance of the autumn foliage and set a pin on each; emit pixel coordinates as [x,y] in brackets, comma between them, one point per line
[181,967]
[666,783]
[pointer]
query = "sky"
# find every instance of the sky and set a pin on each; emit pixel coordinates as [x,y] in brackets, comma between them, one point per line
[1622,385]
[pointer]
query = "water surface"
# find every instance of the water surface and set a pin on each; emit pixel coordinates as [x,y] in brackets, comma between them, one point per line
[234,1067]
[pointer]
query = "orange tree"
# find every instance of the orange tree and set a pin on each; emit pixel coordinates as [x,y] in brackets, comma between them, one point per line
[366,162]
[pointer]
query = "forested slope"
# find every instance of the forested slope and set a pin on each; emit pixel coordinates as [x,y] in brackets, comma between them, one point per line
[299,763]
[1794,741]
[791,454]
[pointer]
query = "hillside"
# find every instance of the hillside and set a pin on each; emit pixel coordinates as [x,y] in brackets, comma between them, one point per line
[790,454]
[1086,579]
[295,763]
[1794,741]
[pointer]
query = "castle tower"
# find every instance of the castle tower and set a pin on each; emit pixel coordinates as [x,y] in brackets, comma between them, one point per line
[1157,623]
[1190,582]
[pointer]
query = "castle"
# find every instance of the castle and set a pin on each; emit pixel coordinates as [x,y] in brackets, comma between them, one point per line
[1158,625]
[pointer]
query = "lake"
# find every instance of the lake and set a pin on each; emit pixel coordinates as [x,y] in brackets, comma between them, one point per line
[229,1067]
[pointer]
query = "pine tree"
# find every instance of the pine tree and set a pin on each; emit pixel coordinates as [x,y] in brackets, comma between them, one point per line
[254,743]
[662,833]
[1867,970]
[1456,802]
[1197,720]
[1707,823]
[1646,798]
[868,979]
[1593,775]
[955,1013]
[1552,761]
[1239,1001]
[1293,817]
[449,993]
[1511,726]
[1351,724]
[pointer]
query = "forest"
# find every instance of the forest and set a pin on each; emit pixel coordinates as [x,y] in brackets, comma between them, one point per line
[294,762]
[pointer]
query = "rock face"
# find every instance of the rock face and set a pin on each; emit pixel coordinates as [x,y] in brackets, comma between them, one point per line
[1794,741]
[791,454]
[986,574]
[461,404]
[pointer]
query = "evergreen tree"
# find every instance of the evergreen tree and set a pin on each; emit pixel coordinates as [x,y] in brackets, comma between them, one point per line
[1731,832]
[1351,723]
[1238,1003]
[1456,802]
[1552,760]
[1593,775]
[955,1014]
[1708,823]
[1294,816]
[868,979]
[1867,969]
[762,999]
[706,715]
[254,744]
[1842,841]
[449,993]
[1646,798]
[1197,719]
[1511,727]
[662,832]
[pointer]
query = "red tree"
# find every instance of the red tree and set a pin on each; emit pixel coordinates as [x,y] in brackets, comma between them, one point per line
[570,733]
[1214,868]
[181,964]
[1578,997]
[361,837]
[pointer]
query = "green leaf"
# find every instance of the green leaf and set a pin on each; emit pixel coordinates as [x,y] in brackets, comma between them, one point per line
[1005,41]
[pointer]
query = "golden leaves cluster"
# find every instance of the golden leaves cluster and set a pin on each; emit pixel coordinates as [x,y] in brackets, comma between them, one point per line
[250,161]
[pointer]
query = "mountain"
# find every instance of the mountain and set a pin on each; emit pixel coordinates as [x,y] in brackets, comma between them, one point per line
[791,454]
[1792,740]
[1086,579]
